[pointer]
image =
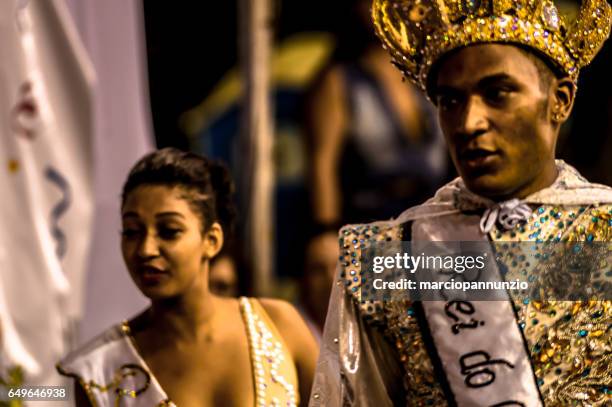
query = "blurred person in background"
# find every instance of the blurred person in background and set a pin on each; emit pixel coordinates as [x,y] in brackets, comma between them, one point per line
[191,347]
[374,144]
[223,280]
[321,255]
[230,275]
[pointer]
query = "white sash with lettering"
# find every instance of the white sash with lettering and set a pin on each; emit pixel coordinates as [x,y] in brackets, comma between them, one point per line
[478,342]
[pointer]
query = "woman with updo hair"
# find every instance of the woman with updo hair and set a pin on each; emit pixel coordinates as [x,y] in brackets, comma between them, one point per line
[190,347]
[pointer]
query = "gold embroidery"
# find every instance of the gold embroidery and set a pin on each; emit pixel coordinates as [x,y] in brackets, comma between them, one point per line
[396,317]
[569,342]
[123,372]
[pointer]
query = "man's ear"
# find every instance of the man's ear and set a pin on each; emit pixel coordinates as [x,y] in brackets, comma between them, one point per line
[564,94]
[213,241]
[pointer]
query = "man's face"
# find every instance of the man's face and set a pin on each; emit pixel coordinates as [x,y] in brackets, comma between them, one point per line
[495,116]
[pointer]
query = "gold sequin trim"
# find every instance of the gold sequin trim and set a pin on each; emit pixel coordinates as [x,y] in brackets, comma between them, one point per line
[267,355]
[569,342]
[397,318]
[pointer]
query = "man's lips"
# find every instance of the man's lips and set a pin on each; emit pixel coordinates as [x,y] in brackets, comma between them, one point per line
[476,157]
[477,152]
[469,154]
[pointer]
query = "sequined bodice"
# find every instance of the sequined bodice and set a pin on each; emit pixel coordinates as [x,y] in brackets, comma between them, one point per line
[112,373]
[274,373]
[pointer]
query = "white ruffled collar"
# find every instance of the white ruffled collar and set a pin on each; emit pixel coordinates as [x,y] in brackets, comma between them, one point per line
[570,188]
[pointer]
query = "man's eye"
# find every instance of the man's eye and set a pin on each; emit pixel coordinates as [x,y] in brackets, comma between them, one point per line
[169,233]
[497,95]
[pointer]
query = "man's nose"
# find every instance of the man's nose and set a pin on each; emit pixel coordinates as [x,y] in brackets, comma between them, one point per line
[474,120]
[148,246]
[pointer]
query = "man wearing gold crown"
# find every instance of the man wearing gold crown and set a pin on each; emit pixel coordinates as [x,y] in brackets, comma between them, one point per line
[502,74]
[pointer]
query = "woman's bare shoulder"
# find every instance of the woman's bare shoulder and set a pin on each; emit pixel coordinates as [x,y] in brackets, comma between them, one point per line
[280,311]
[288,321]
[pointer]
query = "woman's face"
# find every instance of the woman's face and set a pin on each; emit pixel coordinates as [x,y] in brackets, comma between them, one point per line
[162,242]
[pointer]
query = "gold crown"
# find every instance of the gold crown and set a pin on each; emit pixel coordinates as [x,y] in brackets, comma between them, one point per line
[418,32]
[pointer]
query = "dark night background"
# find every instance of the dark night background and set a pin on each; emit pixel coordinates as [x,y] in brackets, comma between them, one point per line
[191,46]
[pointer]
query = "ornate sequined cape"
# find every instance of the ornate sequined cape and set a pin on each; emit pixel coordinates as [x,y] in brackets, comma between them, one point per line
[112,372]
[374,353]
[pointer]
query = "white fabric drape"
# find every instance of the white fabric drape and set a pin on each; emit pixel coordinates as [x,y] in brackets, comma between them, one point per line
[113,34]
[46,81]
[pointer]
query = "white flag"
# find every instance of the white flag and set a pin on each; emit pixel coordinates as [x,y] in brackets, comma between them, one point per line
[113,34]
[45,183]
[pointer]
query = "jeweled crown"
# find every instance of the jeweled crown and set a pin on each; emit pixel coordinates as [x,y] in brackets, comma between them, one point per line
[418,32]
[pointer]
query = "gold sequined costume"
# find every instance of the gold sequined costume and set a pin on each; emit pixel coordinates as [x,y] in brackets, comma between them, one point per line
[387,353]
[377,350]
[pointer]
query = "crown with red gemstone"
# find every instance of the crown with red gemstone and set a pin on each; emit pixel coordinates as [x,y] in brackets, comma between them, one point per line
[418,32]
